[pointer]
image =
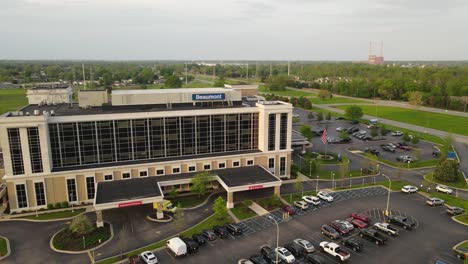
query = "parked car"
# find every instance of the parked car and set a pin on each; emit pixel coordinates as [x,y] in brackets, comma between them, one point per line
[289,209]
[406,158]
[373,236]
[200,239]
[453,210]
[347,224]
[372,151]
[192,245]
[357,223]
[443,189]
[396,133]
[177,246]
[436,153]
[352,130]
[339,129]
[330,232]
[387,148]
[353,243]
[234,229]
[311,199]
[325,196]
[306,245]
[285,255]
[354,122]
[295,249]
[366,138]
[386,228]
[301,204]
[315,259]
[401,221]
[244,261]
[461,252]
[148,257]
[135,259]
[344,140]
[340,228]
[209,235]
[361,217]
[340,118]
[220,231]
[409,189]
[257,259]
[334,250]
[434,201]
[270,255]
[403,145]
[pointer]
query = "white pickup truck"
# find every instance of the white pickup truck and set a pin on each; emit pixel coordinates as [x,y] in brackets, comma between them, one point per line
[386,228]
[334,250]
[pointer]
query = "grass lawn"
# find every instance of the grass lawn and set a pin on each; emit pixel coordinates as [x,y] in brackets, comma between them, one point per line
[417,164]
[444,122]
[450,199]
[3,247]
[66,240]
[338,100]
[464,219]
[396,185]
[242,211]
[12,99]
[189,201]
[460,183]
[56,215]
[270,203]
[288,92]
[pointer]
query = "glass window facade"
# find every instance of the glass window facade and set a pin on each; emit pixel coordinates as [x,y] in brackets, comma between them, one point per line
[282,167]
[108,177]
[21,195]
[85,143]
[126,175]
[271,131]
[90,187]
[40,193]
[35,150]
[16,153]
[283,131]
[271,163]
[71,187]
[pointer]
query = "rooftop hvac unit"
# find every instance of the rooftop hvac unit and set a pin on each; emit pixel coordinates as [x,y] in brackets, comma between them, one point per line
[27,113]
[20,113]
[52,112]
[36,112]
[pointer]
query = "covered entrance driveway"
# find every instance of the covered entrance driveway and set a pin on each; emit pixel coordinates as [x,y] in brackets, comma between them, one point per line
[135,192]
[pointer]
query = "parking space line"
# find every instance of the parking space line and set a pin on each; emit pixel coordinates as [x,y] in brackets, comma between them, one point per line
[170,255]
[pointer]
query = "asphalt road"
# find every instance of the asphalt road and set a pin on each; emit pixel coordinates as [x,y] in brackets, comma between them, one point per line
[431,240]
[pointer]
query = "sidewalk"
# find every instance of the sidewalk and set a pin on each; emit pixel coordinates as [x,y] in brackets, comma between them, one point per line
[258,209]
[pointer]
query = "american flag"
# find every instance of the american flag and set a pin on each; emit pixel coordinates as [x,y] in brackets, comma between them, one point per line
[324,136]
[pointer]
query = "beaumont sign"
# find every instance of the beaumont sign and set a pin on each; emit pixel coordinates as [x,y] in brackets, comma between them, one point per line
[128,204]
[255,187]
[208,97]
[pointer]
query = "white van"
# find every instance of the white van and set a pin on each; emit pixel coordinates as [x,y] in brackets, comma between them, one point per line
[177,246]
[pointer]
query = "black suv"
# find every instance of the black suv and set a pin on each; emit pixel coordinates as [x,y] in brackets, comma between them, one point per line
[316,259]
[256,259]
[192,245]
[199,238]
[372,151]
[270,255]
[220,231]
[208,234]
[295,249]
[387,148]
[353,243]
[234,229]
[400,221]
[329,232]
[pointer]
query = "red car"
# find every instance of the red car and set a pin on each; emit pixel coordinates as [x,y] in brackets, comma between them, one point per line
[289,209]
[404,148]
[340,228]
[357,223]
[361,217]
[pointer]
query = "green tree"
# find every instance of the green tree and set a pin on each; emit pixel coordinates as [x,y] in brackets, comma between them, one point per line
[344,135]
[406,137]
[353,112]
[81,225]
[328,117]
[374,131]
[306,131]
[146,76]
[415,98]
[383,131]
[415,140]
[298,187]
[320,116]
[446,171]
[310,115]
[219,208]
[173,193]
[324,94]
[279,82]
[220,82]
[179,217]
[199,183]
[173,82]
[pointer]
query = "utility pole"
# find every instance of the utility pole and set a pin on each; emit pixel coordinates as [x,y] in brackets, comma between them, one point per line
[186,73]
[270,69]
[256,69]
[288,67]
[247,76]
[84,77]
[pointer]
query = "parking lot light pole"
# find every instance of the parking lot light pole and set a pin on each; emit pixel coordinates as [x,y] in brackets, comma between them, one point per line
[277,236]
[333,181]
[310,168]
[316,186]
[388,196]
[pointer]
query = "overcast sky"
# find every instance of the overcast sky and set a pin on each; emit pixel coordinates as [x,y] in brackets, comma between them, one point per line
[233,29]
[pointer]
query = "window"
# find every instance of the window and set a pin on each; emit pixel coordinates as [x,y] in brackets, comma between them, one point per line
[282,168]
[21,195]
[207,166]
[108,177]
[283,130]
[40,193]
[90,187]
[15,151]
[271,164]
[236,164]
[71,187]
[271,131]
[160,172]
[35,150]
[126,175]
[175,170]
[143,173]
[221,165]
[250,162]
[191,168]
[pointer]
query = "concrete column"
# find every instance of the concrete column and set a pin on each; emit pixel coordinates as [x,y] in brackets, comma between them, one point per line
[4,200]
[159,211]
[277,191]
[25,151]
[230,200]
[99,221]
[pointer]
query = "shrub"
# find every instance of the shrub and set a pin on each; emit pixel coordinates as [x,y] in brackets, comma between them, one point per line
[81,225]
[248,202]
[57,205]
[64,204]
[50,206]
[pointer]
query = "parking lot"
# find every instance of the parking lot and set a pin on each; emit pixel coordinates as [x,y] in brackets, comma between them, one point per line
[431,239]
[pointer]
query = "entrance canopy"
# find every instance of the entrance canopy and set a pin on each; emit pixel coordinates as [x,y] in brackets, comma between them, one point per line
[133,192]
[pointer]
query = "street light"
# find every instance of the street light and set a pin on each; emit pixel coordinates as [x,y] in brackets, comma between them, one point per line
[71,201]
[333,181]
[277,236]
[310,167]
[316,186]
[388,197]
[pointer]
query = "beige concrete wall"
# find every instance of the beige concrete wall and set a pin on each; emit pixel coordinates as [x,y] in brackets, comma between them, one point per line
[30,192]
[81,187]
[12,195]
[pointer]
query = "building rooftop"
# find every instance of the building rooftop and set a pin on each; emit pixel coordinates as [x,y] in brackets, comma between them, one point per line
[50,86]
[171,91]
